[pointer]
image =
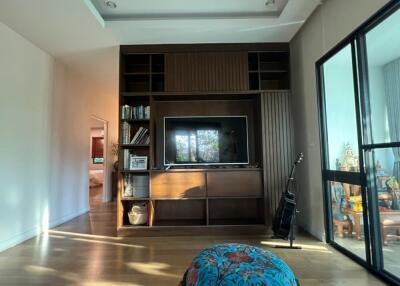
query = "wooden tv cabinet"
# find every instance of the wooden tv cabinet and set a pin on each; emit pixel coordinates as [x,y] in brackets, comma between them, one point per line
[183,200]
[249,80]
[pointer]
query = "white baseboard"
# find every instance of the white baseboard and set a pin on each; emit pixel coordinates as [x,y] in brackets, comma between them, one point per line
[57,222]
[34,231]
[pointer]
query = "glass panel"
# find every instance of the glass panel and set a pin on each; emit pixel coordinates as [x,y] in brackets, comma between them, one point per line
[387,178]
[347,217]
[341,112]
[383,55]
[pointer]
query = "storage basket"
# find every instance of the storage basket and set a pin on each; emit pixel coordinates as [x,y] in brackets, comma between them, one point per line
[138,214]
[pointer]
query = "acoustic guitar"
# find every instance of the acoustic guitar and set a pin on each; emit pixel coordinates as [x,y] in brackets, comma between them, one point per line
[282,222]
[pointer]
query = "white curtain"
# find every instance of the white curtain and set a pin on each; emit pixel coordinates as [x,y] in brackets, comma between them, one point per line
[391,73]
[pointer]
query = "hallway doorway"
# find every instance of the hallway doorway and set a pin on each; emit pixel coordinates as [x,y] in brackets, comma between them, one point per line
[97,162]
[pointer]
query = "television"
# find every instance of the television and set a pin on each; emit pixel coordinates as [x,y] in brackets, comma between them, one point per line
[206,140]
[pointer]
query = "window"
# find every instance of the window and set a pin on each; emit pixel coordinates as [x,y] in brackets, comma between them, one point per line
[340,110]
[197,146]
[382,120]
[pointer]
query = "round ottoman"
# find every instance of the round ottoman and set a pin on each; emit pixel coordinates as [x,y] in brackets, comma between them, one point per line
[238,264]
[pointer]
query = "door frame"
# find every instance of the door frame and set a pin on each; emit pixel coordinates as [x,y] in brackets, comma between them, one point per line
[374,254]
[106,195]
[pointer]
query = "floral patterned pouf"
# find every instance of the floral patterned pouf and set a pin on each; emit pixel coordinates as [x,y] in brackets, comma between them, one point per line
[238,264]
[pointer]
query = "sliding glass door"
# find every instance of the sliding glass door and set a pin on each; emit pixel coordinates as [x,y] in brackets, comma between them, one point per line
[359,85]
[381,57]
[342,159]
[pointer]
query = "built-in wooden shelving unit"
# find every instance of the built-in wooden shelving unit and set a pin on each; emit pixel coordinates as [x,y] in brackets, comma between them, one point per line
[213,200]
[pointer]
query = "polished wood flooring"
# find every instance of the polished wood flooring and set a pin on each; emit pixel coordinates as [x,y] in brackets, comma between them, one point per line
[86,251]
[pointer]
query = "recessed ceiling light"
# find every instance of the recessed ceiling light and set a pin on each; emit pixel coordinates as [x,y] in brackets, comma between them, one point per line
[110,4]
[270,3]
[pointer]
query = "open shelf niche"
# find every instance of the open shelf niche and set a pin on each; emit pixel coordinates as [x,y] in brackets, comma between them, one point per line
[143,72]
[268,70]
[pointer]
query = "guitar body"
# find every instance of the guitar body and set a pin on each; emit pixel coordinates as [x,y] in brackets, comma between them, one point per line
[284,215]
[283,218]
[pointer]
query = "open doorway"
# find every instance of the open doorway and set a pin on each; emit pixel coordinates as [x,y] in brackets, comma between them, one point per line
[97,161]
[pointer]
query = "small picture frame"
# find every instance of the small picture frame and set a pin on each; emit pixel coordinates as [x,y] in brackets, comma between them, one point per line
[138,163]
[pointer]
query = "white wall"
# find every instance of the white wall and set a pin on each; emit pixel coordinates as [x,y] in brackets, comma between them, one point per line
[44,146]
[329,24]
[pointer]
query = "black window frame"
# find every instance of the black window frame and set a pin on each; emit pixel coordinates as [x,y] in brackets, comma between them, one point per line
[374,255]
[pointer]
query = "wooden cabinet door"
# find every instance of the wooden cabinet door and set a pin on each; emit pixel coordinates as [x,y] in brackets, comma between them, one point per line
[178,184]
[234,184]
[206,71]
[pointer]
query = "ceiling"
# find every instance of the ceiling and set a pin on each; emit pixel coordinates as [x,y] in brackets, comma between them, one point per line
[206,21]
[85,34]
[189,9]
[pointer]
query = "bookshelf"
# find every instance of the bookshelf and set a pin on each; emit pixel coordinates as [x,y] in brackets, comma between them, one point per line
[140,74]
[194,80]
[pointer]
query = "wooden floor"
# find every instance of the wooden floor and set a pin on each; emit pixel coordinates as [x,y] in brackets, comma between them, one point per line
[86,251]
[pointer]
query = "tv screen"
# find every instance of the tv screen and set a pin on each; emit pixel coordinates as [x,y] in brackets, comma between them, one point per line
[211,140]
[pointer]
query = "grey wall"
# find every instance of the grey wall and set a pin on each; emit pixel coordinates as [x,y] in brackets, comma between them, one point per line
[328,25]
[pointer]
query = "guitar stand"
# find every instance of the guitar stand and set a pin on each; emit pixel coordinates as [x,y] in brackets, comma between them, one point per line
[291,235]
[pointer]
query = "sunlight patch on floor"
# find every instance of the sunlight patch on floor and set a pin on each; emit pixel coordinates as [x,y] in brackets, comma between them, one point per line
[303,246]
[111,283]
[108,242]
[65,233]
[73,278]
[152,268]
[36,269]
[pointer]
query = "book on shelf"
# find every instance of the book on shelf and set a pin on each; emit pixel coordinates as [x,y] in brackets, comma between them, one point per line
[135,112]
[126,159]
[126,133]
[141,137]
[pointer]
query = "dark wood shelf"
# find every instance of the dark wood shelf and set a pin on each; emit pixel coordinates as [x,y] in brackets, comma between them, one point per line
[180,222]
[136,120]
[134,146]
[235,221]
[136,93]
[137,73]
[237,198]
[131,226]
[135,171]
[134,199]
[206,170]
[178,199]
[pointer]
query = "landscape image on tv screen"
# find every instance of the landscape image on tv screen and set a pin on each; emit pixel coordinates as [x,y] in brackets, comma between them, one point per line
[205,140]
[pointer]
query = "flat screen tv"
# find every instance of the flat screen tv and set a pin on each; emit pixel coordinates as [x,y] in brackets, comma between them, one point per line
[205,140]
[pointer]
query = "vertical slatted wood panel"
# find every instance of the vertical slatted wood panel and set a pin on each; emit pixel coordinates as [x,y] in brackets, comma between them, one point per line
[206,71]
[278,146]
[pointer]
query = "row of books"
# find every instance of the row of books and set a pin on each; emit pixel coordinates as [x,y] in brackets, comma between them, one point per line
[142,135]
[135,112]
